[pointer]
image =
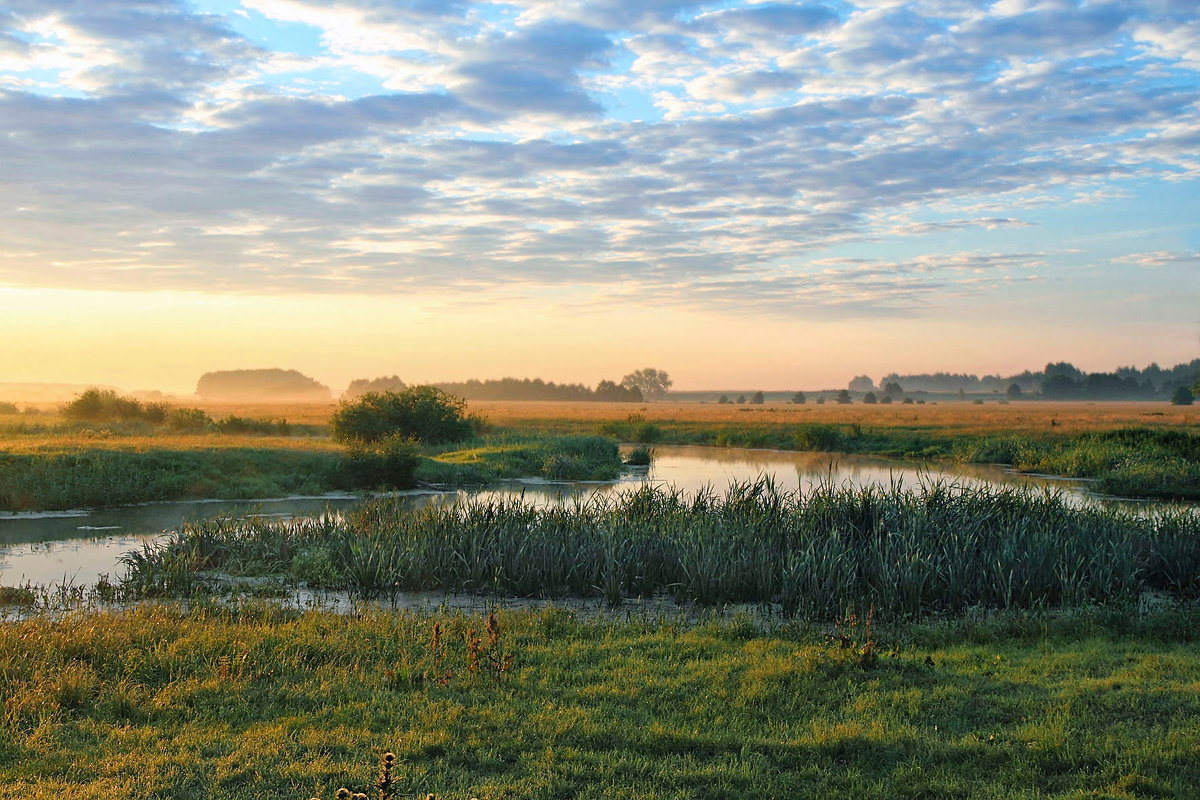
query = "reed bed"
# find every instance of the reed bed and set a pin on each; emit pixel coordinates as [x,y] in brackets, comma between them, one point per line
[906,552]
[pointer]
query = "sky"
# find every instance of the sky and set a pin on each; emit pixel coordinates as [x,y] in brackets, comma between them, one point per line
[745,194]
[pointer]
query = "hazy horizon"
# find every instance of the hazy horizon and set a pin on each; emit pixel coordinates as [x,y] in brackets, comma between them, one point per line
[740,193]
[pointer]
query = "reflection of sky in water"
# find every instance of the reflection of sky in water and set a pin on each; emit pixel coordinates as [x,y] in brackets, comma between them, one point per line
[80,546]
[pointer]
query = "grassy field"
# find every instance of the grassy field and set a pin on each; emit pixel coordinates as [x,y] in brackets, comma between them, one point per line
[257,702]
[129,462]
[1023,417]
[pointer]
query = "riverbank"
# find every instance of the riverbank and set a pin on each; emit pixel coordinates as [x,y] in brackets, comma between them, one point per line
[70,471]
[1146,450]
[259,701]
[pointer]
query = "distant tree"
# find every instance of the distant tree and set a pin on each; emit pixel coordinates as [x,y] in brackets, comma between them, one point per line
[8,408]
[962,394]
[893,390]
[908,401]
[1064,368]
[1059,387]
[741,400]
[1014,392]
[821,400]
[611,392]
[1182,396]
[1196,387]
[843,397]
[886,399]
[724,400]
[799,399]
[360,386]
[424,413]
[261,385]
[862,383]
[757,399]
[870,398]
[653,383]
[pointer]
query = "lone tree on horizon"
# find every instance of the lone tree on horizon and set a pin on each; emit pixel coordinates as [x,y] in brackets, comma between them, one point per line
[653,383]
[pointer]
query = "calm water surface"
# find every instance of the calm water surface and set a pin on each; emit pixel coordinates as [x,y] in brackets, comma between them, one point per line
[79,546]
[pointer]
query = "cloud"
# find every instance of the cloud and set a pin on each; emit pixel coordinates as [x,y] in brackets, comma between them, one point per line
[1162,258]
[771,139]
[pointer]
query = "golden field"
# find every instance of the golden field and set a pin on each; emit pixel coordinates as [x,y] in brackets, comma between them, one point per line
[949,417]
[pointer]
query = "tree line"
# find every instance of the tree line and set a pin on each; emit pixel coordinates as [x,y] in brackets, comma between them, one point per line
[636,387]
[1056,381]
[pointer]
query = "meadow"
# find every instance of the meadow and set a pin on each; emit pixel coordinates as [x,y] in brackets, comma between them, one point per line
[257,701]
[49,461]
[946,642]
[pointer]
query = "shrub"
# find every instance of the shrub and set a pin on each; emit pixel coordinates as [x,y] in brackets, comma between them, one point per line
[640,456]
[870,398]
[105,405]
[1182,396]
[424,413]
[8,408]
[822,438]
[187,419]
[102,405]
[389,463]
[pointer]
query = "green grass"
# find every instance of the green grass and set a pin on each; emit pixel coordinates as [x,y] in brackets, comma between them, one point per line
[82,476]
[111,477]
[942,548]
[567,458]
[258,702]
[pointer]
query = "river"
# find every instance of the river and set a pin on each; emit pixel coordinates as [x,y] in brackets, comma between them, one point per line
[76,547]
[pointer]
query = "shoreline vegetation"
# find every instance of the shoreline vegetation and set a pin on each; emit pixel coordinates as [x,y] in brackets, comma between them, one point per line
[941,549]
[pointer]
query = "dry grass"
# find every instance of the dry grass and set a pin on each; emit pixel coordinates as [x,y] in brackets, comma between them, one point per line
[47,444]
[949,417]
[945,417]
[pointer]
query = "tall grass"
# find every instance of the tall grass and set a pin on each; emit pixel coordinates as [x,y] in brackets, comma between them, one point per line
[112,477]
[940,548]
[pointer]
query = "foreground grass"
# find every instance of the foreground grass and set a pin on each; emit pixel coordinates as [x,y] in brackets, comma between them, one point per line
[162,703]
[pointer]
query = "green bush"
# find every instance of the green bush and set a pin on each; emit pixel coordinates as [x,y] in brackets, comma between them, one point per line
[389,463]
[187,419]
[1182,396]
[424,413]
[822,438]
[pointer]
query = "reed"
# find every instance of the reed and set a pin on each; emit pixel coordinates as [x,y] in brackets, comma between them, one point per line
[939,547]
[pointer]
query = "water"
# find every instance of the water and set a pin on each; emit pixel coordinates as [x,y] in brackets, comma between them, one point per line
[76,547]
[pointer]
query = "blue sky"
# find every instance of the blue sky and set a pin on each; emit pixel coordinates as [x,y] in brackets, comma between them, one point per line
[808,166]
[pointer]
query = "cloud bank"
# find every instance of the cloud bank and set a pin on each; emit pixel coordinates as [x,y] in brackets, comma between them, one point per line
[709,155]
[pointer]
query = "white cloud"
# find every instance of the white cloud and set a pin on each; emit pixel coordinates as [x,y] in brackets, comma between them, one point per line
[492,155]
